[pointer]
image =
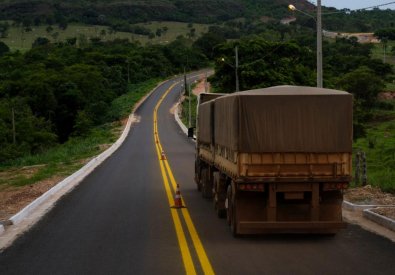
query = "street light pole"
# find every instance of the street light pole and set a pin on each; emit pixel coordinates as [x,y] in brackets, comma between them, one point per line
[319,39]
[189,107]
[319,45]
[237,68]
[127,61]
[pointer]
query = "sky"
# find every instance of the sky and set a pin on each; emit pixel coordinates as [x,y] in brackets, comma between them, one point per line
[356,4]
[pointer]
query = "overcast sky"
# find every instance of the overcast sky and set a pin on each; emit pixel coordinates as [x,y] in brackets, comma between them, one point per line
[355,4]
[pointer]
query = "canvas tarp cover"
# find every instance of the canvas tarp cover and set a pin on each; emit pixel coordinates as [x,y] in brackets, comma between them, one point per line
[285,119]
[205,122]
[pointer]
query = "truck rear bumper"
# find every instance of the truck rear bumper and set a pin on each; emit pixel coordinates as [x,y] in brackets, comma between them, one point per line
[316,227]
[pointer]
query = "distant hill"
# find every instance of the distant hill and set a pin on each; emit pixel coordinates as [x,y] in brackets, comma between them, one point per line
[134,11]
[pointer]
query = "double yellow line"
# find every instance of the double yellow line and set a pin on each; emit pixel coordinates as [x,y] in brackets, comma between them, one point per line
[170,185]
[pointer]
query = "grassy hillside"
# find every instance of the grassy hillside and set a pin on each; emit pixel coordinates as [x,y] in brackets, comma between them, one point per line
[19,39]
[100,11]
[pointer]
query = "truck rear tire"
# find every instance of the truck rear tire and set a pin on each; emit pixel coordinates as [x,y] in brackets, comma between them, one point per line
[198,173]
[231,212]
[228,202]
[219,193]
[221,213]
[206,183]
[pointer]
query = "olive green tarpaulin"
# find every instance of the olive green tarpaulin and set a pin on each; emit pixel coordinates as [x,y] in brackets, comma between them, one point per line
[283,119]
[205,122]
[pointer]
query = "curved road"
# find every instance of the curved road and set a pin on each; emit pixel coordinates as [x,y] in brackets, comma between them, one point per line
[119,221]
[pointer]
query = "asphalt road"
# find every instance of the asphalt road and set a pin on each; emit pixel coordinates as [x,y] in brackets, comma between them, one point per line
[119,221]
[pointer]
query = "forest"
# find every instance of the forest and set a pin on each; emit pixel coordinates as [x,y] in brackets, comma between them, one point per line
[57,91]
[60,92]
[121,15]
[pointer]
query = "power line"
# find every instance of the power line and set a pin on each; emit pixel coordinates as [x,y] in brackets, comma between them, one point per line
[377,6]
[371,7]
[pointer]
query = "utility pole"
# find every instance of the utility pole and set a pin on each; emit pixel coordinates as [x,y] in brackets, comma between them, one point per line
[205,84]
[237,68]
[127,61]
[319,45]
[188,92]
[190,114]
[185,83]
[13,126]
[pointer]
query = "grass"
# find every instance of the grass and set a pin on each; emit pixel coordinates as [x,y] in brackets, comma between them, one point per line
[378,52]
[174,29]
[19,40]
[67,158]
[121,107]
[185,110]
[379,146]
[390,87]
[61,160]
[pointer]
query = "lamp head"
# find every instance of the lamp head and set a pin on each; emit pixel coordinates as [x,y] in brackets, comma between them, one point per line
[291,7]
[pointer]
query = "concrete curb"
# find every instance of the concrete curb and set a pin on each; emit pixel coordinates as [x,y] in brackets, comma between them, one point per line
[178,120]
[377,218]
[370,215]
[357,207]
[73,180]
[360,207]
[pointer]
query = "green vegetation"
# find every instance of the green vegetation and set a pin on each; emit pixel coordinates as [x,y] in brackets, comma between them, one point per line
[185,110]
[55,92]
[120,15]
[121,106]
[378,52]
[66,158]
[61,160]
[17,38]
[65,67]
[379,145]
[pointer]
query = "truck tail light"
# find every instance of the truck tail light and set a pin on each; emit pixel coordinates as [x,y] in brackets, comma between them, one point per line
[335,186]
[259,187]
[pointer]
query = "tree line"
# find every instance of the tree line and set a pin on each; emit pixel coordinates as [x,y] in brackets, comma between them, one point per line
[57,91]
[348,66]
[120,15]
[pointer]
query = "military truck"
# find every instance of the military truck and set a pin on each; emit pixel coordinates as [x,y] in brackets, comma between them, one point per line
[276,160]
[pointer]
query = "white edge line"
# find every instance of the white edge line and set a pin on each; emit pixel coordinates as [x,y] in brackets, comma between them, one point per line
[73,180]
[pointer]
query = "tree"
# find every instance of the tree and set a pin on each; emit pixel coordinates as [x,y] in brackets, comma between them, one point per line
[262,64]
[3,48]
[33,134]
[364,84]
[49,29]
[55,36]
[4,28]
[40,41]
[207,42]
[385,33]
